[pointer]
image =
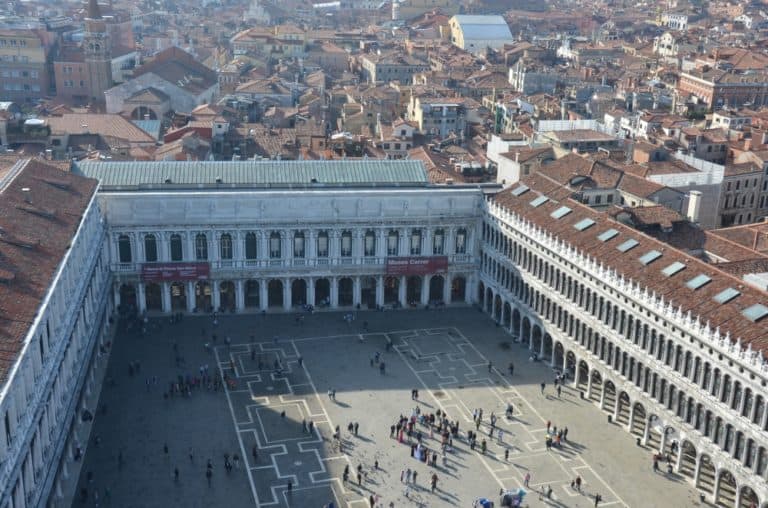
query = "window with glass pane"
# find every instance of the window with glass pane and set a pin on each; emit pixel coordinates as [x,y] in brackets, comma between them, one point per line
[124,249]
[225,244]
[201,247]
[369,245]
[177,251]
[346,244]
[251,251]
[438,240]
[298,245]
[274,245]
[150,248]
[416,242]
[392,240]
[461,241]
[322,245]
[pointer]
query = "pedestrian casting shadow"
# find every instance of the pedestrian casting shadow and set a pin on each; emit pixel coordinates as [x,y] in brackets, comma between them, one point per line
[364,439]
[424,403]
[341,404]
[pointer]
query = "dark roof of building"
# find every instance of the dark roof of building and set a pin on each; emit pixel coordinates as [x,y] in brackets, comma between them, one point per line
[34,238]
[729,317]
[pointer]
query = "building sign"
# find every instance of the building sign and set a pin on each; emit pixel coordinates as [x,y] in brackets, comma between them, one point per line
[417,265]
[160,272]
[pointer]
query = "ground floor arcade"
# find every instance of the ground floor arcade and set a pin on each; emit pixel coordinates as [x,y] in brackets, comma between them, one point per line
[641,401]
[286,293]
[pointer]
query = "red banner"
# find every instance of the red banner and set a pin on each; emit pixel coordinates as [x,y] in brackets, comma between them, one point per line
[421,265]
[159,272]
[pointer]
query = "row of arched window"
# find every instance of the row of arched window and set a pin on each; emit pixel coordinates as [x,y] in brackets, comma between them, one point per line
[710,379]
[415,246]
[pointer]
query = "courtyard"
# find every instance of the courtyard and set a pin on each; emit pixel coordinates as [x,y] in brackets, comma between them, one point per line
[280,369]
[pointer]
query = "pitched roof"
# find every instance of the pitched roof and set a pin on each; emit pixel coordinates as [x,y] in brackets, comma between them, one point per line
[34,237]
[106,125]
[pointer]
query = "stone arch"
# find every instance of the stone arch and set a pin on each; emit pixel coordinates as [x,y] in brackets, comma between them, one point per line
[128,299]
[706,478]
[489,301]
[481,294]
[413,290]
[346,292]
[582,375]
[227,298]
[638,420]
[203,296]
[536,339]
[525,337]
[596,388]
[726,489]
[178,296]
[368,292]
[143,112]
[497,308]
[748,497]
[436,289]
[609,396]
[153,296]
[516,322]
[570,365]
[275,293]
[547,347]
[559,356]
[623,405]
[688,459]
[392,290]
[506,315]
[298,292]
[322,292]
[252,296]
[458,289]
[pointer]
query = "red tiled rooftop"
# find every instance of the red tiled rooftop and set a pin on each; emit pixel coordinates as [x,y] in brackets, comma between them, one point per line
[673,289]
[32,245]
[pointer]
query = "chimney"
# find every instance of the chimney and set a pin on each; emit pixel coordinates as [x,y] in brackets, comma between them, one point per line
[694,206]
[25,191]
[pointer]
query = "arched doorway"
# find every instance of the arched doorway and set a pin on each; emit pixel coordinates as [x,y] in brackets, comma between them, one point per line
[252,294]
[639,420]
[391,290]
[748,498]
[227,298]
[654,432]
[597,386]
[536,339]
[458,289]
[413,290]
[436,289]
[525,337]
[128,301]
[489,301]
[203,296]
[322,293]
[497,308]
[516,324]
[706,481]
[570,365]
[481,295]
[506,315]
[609,396]
[346,292]
[547,346]
[582,377]
[688,459]
[726,492]
[153,296]
[275,293]
[178,296]
[559,356]
[368,292]
[298,292]
[622,410]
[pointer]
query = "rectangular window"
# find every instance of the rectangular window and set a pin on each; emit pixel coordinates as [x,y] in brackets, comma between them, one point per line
[322,246]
